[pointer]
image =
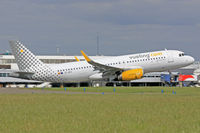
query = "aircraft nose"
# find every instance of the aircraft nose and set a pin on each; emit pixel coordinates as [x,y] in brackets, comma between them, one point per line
[190,59]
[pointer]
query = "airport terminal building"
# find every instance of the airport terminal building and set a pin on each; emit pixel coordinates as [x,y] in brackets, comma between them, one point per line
[7,63]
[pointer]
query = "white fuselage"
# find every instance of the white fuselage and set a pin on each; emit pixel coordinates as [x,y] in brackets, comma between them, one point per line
[150,62]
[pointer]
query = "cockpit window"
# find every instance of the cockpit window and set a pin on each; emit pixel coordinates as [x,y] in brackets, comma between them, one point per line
[181,54]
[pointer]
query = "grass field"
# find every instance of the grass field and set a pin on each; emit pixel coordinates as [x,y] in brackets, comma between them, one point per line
[128,110]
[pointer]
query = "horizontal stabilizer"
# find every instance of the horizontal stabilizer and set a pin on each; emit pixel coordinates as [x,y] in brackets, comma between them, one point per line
[21,74]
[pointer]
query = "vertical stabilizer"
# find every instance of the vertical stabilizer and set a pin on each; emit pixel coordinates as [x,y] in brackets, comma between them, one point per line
[25,59]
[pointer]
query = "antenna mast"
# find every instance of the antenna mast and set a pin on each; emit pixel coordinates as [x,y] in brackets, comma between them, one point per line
[97,43]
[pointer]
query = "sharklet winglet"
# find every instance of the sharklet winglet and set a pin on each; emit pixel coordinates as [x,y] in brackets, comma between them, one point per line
[76,58]
[85,56]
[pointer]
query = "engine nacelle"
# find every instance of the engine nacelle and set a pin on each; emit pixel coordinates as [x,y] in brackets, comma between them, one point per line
[131,74]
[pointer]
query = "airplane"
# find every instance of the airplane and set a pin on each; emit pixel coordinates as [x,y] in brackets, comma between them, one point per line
[117,68]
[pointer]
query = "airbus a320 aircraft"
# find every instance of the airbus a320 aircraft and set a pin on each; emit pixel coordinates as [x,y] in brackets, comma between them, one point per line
[121,68]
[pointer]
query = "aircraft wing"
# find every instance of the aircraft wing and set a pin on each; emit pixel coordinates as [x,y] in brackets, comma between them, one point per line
[101,67]
[106,70]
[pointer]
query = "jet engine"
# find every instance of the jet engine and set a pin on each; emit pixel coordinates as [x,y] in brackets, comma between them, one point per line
[131,74]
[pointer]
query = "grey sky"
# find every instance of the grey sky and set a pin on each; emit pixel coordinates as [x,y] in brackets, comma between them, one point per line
[125,26]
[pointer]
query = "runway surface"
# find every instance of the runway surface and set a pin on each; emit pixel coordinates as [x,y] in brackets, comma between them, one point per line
[33,91]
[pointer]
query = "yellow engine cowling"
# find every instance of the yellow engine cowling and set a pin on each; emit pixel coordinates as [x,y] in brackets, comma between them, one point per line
[131,74]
